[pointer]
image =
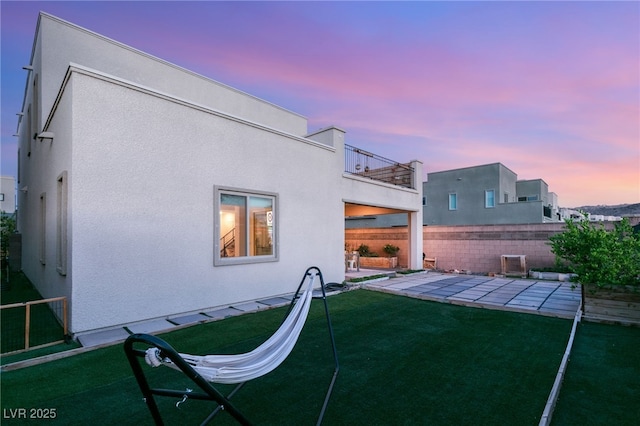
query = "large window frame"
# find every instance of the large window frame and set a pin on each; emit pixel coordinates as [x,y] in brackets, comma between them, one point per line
[253,228]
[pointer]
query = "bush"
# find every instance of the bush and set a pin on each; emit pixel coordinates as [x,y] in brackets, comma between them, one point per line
[365,252]
[599,256]
[390,249]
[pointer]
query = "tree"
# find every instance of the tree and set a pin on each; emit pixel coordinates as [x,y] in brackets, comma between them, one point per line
[599,256]
[8,227]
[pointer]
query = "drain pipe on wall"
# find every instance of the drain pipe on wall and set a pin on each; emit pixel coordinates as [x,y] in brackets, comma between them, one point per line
[545,420]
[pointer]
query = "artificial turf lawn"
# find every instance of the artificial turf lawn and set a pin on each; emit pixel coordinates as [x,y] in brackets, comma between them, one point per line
[402,361]
[45,327]
[602,382]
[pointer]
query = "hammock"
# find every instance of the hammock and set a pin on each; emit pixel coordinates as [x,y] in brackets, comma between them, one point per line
[251,365]
[229,369]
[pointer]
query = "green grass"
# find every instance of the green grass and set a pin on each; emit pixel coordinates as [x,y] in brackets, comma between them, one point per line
[403,361]
[602,382]
[367,278]
[44,328]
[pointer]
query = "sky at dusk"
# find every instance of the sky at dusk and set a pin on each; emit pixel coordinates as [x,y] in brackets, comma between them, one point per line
[549,89]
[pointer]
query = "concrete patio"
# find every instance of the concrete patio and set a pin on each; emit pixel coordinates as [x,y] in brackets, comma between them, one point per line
[551,298]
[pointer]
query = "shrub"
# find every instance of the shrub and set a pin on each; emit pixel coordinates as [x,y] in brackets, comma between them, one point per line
[599,256]
[365,252]
[7,227]
[390,249]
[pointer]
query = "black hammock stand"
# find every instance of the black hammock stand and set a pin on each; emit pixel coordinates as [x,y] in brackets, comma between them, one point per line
[207,391]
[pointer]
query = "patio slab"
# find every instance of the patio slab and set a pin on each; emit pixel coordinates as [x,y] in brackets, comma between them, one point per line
[101,337]
[250,306]
[223,313]
[189,319]
[275,301]
[543,297]
[149,327]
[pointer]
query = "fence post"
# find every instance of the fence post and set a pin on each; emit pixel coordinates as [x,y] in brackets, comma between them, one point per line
[64,318]
[27,324]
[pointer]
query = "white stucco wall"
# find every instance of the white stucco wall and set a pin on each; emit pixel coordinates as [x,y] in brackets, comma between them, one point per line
[144,167]
[143,143]
[65,43]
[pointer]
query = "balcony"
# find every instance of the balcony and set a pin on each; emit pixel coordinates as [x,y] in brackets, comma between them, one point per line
[361,163]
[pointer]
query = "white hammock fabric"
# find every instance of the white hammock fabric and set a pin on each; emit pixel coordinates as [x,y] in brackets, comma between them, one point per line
[247,366]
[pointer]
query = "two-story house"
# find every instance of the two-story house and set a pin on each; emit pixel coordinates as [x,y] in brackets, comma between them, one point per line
[151,191]
[486,194]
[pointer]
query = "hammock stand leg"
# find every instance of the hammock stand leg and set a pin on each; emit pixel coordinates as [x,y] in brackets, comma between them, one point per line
[333,342]
[211,394]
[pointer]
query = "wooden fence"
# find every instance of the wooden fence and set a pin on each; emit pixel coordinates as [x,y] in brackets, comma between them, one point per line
[43,323]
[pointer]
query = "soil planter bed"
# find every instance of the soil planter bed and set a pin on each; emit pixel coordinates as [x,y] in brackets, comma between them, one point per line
[379,262]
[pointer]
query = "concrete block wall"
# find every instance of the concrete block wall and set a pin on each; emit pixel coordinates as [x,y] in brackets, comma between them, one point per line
[478,248]
[471,248]
[376,238]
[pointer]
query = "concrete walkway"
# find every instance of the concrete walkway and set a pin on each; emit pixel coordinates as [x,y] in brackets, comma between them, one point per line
[551,298]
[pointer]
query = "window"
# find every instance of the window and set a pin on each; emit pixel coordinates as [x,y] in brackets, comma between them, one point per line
[489,198]
[61,225]
[528,198]
[453,201]
[1,196]
[43,228]
[245,229]
[506,197]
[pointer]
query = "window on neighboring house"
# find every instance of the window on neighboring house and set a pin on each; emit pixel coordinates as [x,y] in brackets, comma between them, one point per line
[246,226]
[43,228]
[489,198]
[528,198]
[61,225]
[1,196]
[453,201]
[424,200]
[506,197]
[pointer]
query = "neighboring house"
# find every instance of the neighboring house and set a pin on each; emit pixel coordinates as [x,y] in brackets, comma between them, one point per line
[152,191]
[484,195]
[8,195]
[481,195]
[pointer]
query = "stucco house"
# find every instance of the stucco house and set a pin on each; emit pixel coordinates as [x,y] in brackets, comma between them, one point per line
[488,194]
[484,195]
[152,191]
[7,195]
